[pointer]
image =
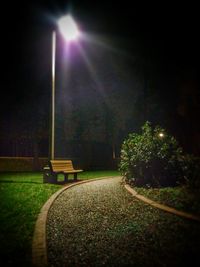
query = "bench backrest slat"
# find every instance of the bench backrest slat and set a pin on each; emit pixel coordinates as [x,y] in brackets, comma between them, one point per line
[60,165]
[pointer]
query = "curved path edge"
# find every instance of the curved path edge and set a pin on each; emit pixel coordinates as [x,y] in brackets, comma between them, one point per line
[161,206]
[39,247]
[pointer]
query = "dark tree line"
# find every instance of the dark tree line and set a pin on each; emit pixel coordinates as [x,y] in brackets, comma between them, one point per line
[102,97]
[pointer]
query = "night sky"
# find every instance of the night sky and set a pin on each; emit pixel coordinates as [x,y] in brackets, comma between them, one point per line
[165,34]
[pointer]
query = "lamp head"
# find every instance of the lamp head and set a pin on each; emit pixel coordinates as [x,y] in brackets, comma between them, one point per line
[161,135]
[68,28]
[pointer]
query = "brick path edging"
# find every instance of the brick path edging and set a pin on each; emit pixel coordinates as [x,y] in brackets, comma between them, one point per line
[161,206]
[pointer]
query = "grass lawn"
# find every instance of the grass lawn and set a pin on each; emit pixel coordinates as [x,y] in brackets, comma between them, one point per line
[21,197]
[180,197]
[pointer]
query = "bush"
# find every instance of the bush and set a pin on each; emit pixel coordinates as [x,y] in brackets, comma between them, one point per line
[152,158]
[192,172]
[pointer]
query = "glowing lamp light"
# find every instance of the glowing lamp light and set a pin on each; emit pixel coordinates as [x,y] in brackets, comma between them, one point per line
[68,28]
[161,135]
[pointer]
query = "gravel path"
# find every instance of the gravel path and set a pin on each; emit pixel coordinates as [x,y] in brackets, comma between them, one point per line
[101,224]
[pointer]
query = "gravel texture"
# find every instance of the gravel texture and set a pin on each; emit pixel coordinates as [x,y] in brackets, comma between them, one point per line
[101,224]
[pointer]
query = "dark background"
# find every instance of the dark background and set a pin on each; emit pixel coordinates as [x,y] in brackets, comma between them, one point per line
[159,55]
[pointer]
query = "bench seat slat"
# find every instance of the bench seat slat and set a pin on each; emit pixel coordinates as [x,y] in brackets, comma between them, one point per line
[63,166]
[67,171]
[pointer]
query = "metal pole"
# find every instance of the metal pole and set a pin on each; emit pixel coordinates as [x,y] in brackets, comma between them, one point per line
[53,95]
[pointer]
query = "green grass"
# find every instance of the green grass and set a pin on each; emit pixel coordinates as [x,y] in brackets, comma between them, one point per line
[31,177]
[180,197]
[21,197]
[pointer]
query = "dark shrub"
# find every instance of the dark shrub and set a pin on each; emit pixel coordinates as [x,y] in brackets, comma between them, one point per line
[192,171]
[152,158]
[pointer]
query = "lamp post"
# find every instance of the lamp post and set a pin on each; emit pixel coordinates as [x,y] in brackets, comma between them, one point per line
[70,32]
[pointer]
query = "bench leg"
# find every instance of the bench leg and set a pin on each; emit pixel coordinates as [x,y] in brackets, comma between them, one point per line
[75,176]
[55,178]
[66,177]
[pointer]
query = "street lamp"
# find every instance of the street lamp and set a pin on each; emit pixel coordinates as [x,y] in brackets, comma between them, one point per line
[70,32]
[161,135]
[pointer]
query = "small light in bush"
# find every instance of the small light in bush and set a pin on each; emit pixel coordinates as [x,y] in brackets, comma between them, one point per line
[161,135]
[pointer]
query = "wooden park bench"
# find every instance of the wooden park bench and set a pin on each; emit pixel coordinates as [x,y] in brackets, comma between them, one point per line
[64,167]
